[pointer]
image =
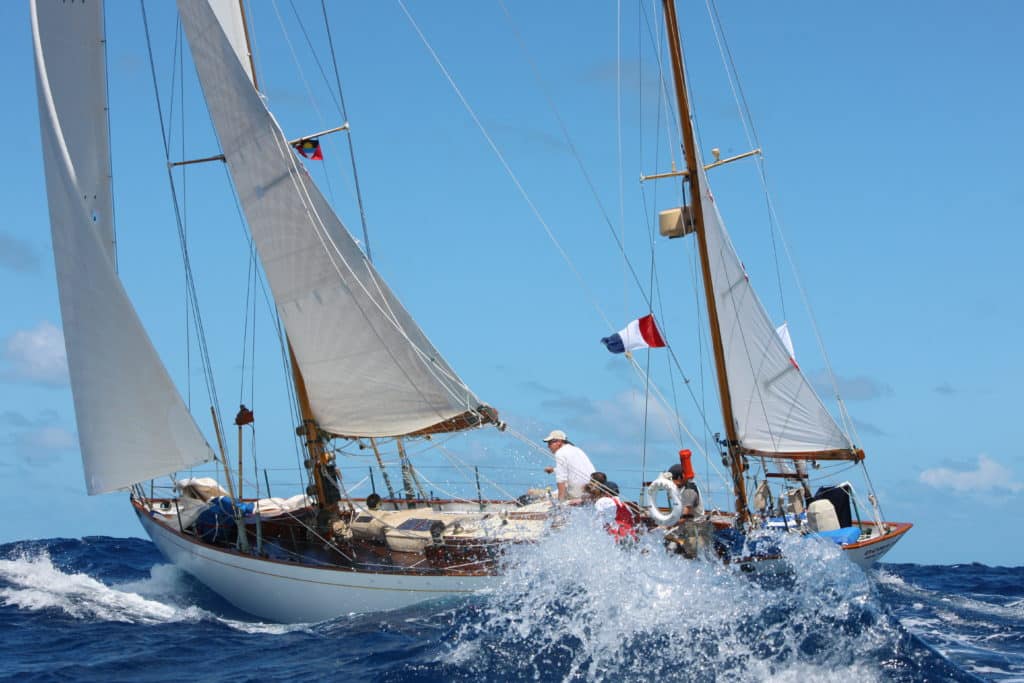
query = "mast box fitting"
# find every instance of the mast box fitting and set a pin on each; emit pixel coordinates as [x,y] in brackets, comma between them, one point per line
[676,222]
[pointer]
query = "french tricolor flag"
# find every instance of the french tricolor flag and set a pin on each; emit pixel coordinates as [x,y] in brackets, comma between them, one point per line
[639,334]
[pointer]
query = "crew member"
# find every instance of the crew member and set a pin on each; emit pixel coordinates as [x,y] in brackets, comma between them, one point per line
[682,477]
[572,468]
[618,518]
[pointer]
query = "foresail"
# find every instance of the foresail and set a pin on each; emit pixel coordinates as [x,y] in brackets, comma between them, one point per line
[775,408]
[132,423]
[368,368]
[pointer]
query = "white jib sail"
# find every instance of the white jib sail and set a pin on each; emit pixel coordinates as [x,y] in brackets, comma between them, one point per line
[775,408]
[368,368]
[132,423]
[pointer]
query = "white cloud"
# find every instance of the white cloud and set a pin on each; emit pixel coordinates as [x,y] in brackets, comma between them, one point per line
[36,440]
[988,476]
[50,439]
[616,420]
[859,388]
[36,355]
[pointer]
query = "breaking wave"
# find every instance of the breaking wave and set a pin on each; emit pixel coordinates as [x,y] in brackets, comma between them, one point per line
[29,580]
[586,608]
[573,607]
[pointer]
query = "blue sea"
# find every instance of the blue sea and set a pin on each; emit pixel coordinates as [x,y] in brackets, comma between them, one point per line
[572,608]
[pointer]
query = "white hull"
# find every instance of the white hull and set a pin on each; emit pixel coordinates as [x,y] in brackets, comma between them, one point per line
[292,593]
[866,553]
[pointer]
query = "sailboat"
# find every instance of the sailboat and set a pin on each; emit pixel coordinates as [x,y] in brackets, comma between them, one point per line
[775,423]
[362,370]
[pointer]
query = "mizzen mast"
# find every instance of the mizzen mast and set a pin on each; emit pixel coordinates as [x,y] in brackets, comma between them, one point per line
[694,176]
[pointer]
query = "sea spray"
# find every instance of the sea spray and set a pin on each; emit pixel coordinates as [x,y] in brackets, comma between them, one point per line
[577,605]
[842,630]
[30,580]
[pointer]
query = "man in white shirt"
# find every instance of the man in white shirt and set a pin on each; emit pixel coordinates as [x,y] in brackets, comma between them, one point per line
[572,468]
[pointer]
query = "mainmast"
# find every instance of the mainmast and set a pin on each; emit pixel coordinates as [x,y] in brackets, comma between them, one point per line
[736,463]
[318,462]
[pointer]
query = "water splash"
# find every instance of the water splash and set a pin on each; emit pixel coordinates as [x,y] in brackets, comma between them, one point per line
[578,606]
[35,583]
[31,581]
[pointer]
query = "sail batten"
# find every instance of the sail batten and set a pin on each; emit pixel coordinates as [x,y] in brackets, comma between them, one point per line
[368,369]
[132,424]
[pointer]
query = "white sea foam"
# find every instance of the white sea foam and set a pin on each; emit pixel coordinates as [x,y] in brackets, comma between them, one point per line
[34,583]
[587,608]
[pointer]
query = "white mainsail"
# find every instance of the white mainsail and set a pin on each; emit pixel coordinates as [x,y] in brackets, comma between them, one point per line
[132,424]
[775,408]
[368,368]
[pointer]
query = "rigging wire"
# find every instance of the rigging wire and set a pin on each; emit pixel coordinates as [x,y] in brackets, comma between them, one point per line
[348,134]
[508,169]
[442,375]
[191,286]
[302,74]
[583,170]
[660,107]
[747,120]
[178,76]
[618,140]
[672,126]
[278,327]
[339,103]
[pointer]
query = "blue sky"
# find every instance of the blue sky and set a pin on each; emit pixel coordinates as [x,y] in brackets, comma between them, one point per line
[891,145]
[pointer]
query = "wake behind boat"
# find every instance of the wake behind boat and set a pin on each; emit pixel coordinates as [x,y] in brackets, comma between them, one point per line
[363,375]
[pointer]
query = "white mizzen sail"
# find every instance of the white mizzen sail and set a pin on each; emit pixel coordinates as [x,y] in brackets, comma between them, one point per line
[775,408]
[132,423]
[368,368]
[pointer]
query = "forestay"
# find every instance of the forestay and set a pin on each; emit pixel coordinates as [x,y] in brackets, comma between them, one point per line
[775,408]
[132,424]
[368,368]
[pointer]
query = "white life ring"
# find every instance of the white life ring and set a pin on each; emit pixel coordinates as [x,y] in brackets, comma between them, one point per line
[675,502]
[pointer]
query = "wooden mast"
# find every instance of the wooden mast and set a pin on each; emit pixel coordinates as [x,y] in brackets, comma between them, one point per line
[310,431]
[694,178]
[248,43]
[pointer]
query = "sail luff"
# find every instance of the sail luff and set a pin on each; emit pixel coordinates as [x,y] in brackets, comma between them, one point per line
[368,368]
[132,424]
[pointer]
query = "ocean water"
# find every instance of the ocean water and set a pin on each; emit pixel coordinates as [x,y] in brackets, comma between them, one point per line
[574,607]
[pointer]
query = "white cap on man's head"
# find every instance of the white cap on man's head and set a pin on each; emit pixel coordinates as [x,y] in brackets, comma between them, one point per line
[556,435]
